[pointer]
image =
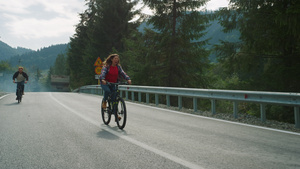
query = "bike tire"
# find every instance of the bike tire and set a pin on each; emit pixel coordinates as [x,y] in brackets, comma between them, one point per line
[19,96]
[121,112]
[106,113]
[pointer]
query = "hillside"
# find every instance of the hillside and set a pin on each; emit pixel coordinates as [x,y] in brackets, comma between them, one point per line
[215,35]
[42,59]
[7,52]
[213,32]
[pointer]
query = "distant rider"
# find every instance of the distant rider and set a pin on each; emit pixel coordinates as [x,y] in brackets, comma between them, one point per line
[21,77]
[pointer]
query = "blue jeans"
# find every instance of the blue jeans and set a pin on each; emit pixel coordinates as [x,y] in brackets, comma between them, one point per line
[108,89]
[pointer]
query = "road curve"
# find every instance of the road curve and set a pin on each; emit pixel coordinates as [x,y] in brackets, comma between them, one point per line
[65,130]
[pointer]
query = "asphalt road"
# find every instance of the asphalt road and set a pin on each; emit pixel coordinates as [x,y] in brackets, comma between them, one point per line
[65,130]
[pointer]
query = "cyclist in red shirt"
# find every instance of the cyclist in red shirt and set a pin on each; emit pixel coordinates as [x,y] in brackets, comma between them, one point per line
[111,72]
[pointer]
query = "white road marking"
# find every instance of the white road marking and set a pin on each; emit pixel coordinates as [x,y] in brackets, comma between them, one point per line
[131,140]
[3,96]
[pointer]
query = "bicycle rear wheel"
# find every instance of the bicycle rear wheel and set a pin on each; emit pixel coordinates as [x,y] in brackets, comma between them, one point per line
[121,114]
[106,113]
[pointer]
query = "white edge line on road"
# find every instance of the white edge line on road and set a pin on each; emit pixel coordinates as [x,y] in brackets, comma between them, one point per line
[133,141]
[3,96]
[210,118]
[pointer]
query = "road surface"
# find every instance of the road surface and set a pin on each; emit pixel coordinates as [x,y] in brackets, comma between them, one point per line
[65,130]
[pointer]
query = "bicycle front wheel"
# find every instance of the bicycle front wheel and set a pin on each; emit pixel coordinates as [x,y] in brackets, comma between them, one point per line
[106,113]
[121,114]
[19,96]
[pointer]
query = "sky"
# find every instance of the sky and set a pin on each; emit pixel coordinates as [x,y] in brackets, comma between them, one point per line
[35,24]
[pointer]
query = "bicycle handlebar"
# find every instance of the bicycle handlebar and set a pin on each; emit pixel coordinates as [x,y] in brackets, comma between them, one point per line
[20,82]
[120,83]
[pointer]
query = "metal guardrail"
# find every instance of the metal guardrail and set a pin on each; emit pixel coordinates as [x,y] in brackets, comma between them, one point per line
[236,96]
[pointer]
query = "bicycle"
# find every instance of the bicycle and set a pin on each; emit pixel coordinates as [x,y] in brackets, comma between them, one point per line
[116,107]
[19,91]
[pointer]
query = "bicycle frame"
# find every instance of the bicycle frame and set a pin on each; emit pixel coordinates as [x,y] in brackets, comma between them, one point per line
[116,91]
[19,90]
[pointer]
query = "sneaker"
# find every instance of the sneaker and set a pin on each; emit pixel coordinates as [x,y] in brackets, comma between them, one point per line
[119,117]
[104,105]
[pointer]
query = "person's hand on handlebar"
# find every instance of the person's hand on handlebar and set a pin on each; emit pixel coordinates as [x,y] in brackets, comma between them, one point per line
[104,82]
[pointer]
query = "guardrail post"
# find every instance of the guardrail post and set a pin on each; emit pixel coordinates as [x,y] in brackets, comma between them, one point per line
[297,117]
[168,100]
[126,93]
[140,96]
[156,99]
[180,102]
[235,109]
[213,106]
[263,112]
[132,96]
[195,104]
[147,98]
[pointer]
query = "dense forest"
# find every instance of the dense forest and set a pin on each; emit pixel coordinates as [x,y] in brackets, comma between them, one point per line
[6,51]
[42,58]
[174,50]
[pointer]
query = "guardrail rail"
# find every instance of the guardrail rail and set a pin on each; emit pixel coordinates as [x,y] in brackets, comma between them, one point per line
[236,96]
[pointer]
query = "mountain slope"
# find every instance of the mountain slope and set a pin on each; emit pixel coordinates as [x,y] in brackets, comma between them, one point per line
[42,59]
[7,52]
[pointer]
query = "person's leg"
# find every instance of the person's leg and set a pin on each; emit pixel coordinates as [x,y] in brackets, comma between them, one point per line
[22,87]
[112,88]
[17,91]
[106,93]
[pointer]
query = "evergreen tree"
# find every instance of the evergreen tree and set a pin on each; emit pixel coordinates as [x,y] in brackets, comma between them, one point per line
[76,52]
[38,75]
[268,57]
[60,67]
[102,29]
[174,57]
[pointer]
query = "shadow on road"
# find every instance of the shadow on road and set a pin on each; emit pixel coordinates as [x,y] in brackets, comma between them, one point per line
[12,104]
[107,135]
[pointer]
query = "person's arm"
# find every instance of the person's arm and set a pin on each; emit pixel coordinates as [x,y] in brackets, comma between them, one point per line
[15,76]
[124,75]
[103,74]
[26,77]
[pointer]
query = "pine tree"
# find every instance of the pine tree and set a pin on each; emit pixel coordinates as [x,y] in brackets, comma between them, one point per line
[268,56]
[176,58]
[102,29]
[76,52]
